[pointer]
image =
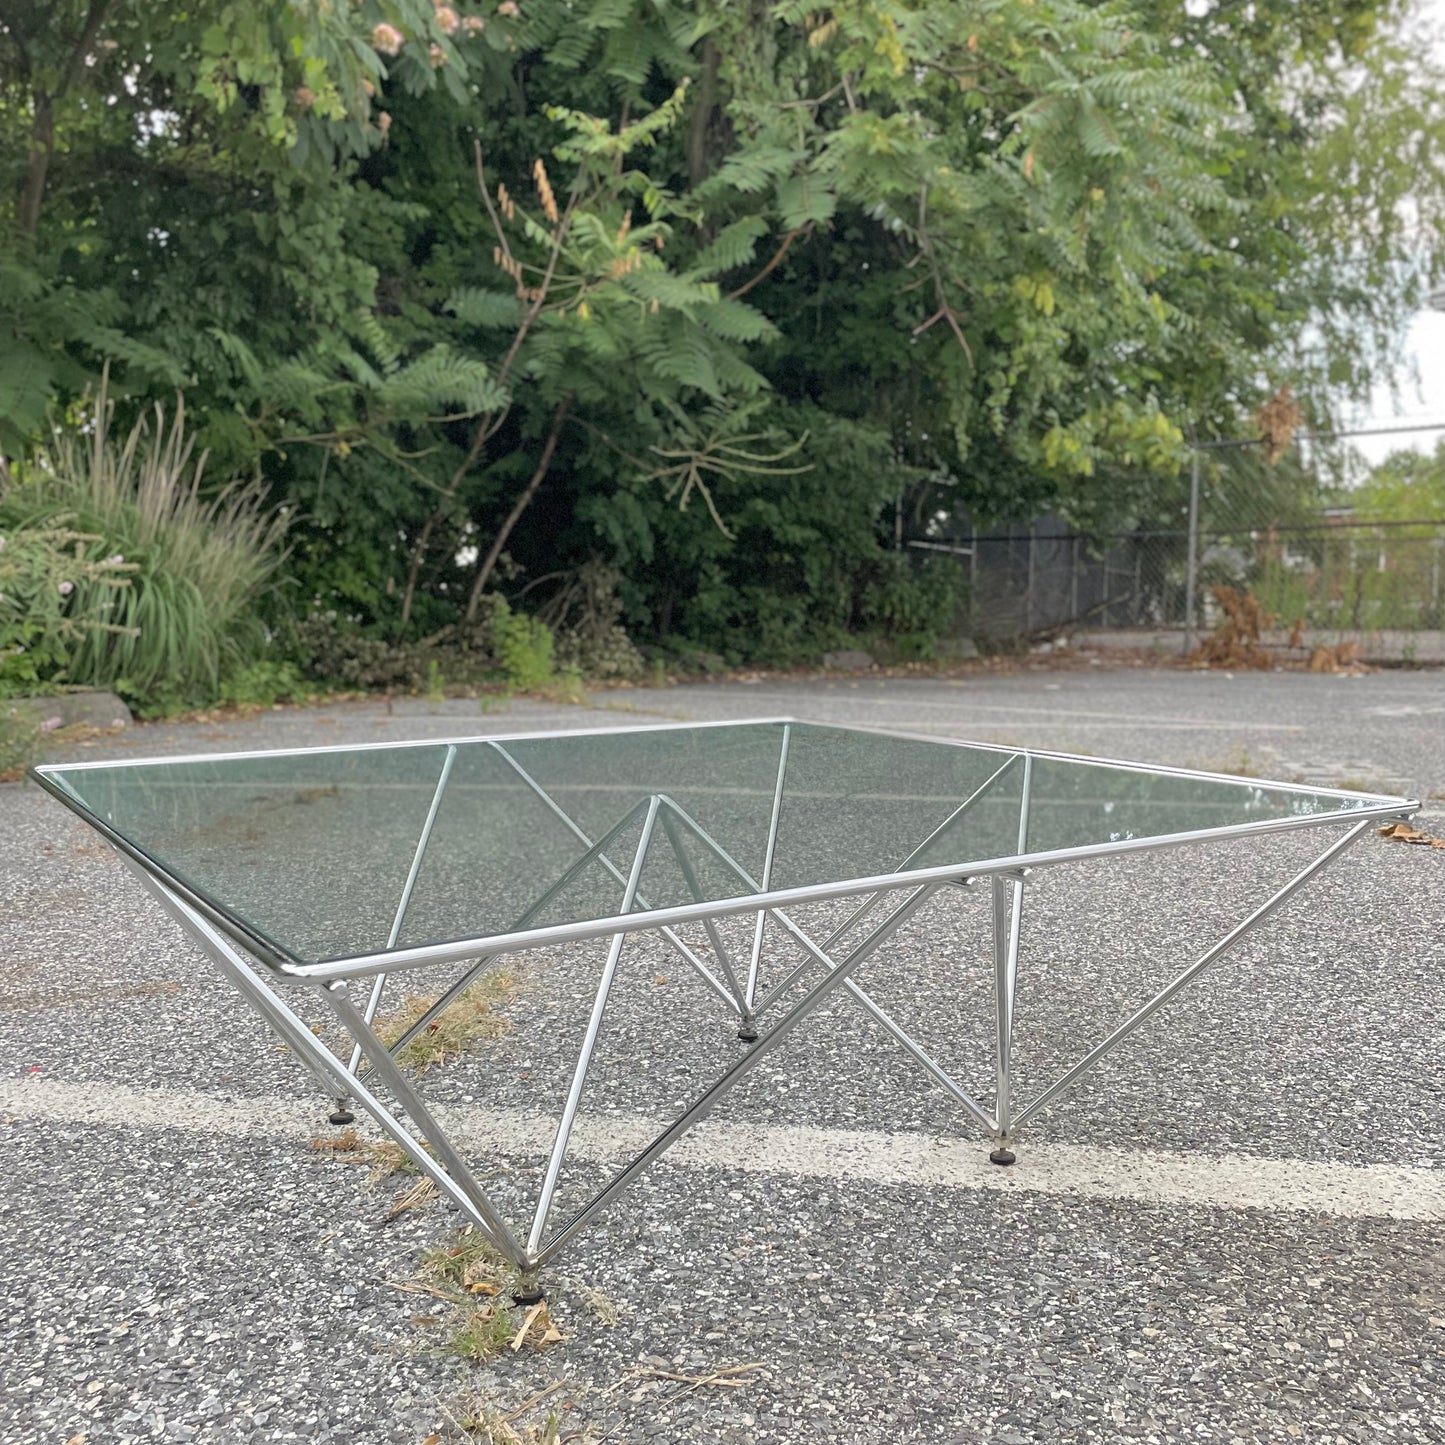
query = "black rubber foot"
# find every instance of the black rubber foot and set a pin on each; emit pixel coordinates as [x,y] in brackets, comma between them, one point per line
[341,1116]
[526,1299]
[748,1035]
[1001,1156]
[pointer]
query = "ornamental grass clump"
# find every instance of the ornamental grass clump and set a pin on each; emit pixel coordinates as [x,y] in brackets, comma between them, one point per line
[197,564]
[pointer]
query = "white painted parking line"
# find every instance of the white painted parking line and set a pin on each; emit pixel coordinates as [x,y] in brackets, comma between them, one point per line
[1229,1181]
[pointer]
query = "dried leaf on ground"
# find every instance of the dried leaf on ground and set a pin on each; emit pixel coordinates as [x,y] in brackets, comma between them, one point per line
[1407,833]
[538,1331]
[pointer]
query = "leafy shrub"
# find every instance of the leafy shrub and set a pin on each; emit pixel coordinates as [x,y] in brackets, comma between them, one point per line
[584,614]
[264,683]
[331,651]
[19,743]
[524,649]
[914,604]
[199,567]
[45,579]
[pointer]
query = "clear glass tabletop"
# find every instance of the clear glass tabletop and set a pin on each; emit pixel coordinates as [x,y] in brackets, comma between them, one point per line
[336,853]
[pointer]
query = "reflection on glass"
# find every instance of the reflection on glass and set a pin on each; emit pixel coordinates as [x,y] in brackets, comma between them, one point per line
[312,850]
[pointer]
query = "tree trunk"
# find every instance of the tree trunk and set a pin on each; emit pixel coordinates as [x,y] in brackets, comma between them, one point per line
[37,165]
[42,131]
[489,562]
[704,107]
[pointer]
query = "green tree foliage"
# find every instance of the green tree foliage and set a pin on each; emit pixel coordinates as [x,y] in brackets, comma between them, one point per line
[725,294]
[1407,486]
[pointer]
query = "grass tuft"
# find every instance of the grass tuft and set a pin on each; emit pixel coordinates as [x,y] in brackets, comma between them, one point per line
[470,1264]
[475,1015]
[484,1334]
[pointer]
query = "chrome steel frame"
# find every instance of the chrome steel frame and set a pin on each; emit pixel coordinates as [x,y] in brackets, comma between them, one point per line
[661,817]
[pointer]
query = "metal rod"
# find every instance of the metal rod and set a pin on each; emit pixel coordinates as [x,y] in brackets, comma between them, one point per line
[868,904]
[413,743]
[888,1024]
[817,954]
[1025,800]
[460,950]
[1194,970]
[323,1065]
[695,887]
[1191,571]
[293,1031]
[773,820]
[467,979]
[734,1001]
[589,1042]
[705,1102]
[1008,902]
[401,1090]
[373,1002]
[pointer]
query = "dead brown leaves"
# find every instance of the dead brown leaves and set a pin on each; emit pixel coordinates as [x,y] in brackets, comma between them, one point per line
[1343,657]
[1278,419]
[1406,833]
[1235,642]
[342,1143]
[538,1331]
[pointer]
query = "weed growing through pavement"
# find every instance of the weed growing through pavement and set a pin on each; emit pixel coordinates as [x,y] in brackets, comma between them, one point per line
[483,1333]
[482,1419]
[475,1015]
[387,1158]
[473,1276]
[1238,765]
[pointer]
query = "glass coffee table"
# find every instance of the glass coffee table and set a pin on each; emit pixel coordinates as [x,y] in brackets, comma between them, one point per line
[330,870]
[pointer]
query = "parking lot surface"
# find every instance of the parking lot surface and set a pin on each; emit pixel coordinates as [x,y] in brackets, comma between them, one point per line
[1234,1231]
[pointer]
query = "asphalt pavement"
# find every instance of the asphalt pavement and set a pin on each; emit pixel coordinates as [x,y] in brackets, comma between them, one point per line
[1234,1231]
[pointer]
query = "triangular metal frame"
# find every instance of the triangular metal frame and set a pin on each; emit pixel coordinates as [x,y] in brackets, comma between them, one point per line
[434,1155]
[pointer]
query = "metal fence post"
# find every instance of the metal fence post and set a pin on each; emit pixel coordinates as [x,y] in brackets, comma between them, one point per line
[972,578]
[1029,586]
[1192,566]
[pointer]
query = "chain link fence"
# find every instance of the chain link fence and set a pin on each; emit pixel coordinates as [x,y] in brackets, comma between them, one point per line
[1316,566]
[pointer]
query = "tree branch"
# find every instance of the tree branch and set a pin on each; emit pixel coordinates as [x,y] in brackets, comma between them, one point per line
[773,264]
[491,422]
[489,562]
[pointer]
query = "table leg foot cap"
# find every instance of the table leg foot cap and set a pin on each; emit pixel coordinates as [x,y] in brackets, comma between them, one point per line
[748,1034]
[1001,1156]
[526,1296]
[340,1117]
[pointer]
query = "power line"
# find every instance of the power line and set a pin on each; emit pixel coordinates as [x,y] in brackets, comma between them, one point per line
[1323,436]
